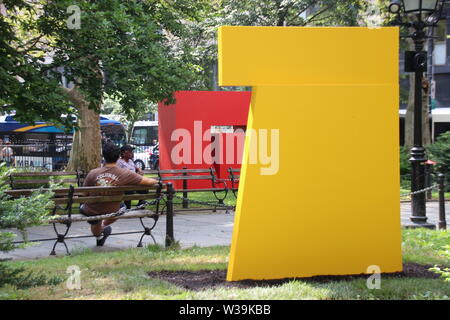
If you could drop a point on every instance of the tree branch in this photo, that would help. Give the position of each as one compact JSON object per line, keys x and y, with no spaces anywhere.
{"x":35,"y":42}
{"x":318,"y":14}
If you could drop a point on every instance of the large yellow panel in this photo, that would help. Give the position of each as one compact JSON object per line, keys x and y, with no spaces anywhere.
{"x":333,"y":205}
{"x":250,"y":56}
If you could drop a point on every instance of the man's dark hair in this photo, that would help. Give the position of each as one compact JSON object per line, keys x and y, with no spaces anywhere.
{"x":110,"y":152}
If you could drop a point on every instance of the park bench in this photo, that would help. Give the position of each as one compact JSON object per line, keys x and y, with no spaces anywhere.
{"x":64,"y":211}
{"x":233,"y":176}
{"x":29,"y":180}
{"x":218,"y":188}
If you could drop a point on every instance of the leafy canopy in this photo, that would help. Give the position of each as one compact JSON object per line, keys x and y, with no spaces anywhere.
{"x":129,"y":50}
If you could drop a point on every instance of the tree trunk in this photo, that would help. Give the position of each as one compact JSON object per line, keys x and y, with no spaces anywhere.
{"x":86,"y":149}
{"x":426,"y":137}
{"x":409,"y":117}
{"x":130,"y":126}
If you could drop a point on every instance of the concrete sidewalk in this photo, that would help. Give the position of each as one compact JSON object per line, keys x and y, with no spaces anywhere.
{"x":200,"y":228}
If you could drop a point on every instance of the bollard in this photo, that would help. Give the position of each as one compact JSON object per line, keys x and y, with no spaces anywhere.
{"x":170,"y":240}
{"x":185,"y":194}
{"x":442,"y":225}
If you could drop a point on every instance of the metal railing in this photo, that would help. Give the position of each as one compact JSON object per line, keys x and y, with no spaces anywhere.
{"x":440,"y":187}
{"x":45,"y":156}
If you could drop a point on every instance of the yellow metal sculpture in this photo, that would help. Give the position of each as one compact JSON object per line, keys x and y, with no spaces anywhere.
{"x":325,"y":100}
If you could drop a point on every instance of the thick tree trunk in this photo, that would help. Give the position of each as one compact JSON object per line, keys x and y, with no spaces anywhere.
{"x":409,"y":117}
{"x":86,"y":149}
{"x":426,"y":140}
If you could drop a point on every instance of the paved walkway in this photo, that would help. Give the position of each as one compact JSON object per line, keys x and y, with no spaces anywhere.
{"x":201,"y":229}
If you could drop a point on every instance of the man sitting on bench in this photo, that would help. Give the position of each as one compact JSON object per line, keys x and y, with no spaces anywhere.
{"x":109,"y":175}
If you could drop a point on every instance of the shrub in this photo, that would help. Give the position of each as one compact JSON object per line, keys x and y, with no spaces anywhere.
{"x":405,"y":168}
{"x":405,"y":165}
{"x":444,"y":272}
{"x":21,"y":279}
{"x":20,"y":214}
{"x":439,"y":151}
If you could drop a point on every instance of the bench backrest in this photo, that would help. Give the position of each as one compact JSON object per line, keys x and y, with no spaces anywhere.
{"x":150,"y":172}
{"x":187,"y":174}
{"x":234,"y":174}
{"x":27,"y":180}
{"x":68,"y":196}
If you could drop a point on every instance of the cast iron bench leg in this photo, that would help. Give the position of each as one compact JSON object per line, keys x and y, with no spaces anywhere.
{"x":147,"y":231}
{"x":60,"y":238}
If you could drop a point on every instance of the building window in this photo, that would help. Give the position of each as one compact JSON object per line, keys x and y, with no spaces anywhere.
{"x":440,"y":45}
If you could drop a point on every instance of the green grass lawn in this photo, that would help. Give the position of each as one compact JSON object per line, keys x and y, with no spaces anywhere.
{"x":123,"y":275}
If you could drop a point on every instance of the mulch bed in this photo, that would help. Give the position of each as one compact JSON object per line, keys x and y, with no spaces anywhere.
{"x":207,"y":279}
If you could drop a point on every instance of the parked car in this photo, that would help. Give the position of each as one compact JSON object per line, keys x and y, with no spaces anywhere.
{"x":142,"y":156}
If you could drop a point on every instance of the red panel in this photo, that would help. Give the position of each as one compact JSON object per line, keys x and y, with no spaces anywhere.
{"x":197,"y":111}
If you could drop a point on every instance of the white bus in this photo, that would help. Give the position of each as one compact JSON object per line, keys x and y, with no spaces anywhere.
{"x":440,"y":122}
{"x":144,"y":133}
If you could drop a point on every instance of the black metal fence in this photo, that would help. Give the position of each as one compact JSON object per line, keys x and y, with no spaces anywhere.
{"x":45,"y":156}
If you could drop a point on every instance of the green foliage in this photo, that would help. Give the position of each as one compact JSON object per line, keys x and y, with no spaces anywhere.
{"x":20,"y":213}
{"x":291,"y":12}
{"x":128,"y":118}
{"x":405,"y":168}
{"x":443,"y":271}
{"x":130,"y":56}
{"x":405,"y":164}
{"x":203,"y":43}
{"x":24,"y":85}
{"x":425,"y":246}
{"x":439,"y":151}
{"x":130,"y":50}
{"x":111,"y":105}
{"x":21,"y":279}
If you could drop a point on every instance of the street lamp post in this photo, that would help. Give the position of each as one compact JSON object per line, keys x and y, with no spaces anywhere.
{"x":422,"y":14}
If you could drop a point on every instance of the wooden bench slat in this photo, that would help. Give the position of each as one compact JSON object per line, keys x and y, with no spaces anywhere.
{"x":126,"y":215}
{"x":205,"y":177}
{"x":112,"y":198}
{"x":83,"y":189}
{"x":36,"y":181}
{"x":155,"y":172}
{"x":200,"y":190}
{"x":39,"y":174}
{"x":185,"y":171}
